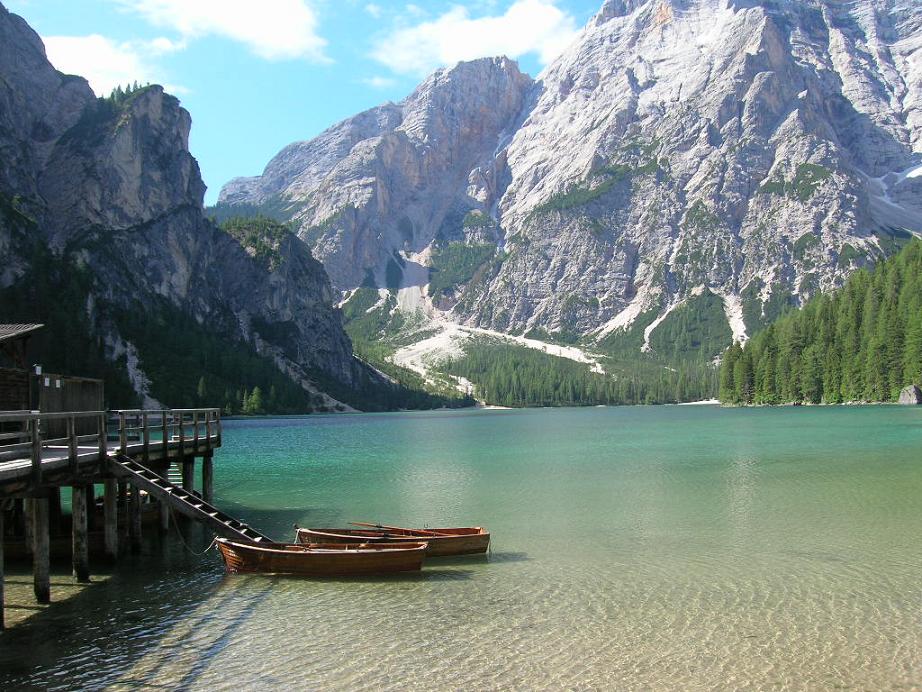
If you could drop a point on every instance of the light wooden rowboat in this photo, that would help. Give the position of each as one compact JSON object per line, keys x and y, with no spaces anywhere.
{"x":322,"y":560}
{"x":442,"y":542}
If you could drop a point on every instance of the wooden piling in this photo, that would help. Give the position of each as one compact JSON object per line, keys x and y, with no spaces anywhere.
{"x":79,"y":544}
{"x":27,"y":524}
{"x":188,"y":474}
{"x":2,"y":600}
{"x":208,"y":477}
{"x":134,"y":523}
{"x":41,"y":578}
{"x":123,"y":528}
{"x":164,"y":516}
{"x":110,"y":510}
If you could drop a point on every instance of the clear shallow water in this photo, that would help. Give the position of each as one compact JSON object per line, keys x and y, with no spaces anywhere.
{"x":670,"y":547}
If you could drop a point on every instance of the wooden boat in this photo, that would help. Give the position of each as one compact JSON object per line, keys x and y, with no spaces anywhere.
{"x":322,"y":560}
{"x":453,"y":541}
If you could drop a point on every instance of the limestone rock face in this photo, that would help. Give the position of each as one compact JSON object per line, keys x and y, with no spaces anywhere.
{"x":910,"y":396}
{"x":762,"y":149}
{"x":395,"y":177}
{"x":113,"y":185}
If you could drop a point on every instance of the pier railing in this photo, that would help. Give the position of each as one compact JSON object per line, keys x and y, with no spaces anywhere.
{"x":189,"y":431}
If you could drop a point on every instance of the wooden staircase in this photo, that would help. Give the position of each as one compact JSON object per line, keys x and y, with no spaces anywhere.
{"x":183,"y":501}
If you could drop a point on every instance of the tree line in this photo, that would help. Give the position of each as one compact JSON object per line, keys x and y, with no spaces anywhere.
{"x":860,"y":343}
{"x":515,"y":376}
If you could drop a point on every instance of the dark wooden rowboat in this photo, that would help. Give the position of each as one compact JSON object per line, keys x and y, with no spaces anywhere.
{"x":322,"y":560}
{"x":454,"y":541}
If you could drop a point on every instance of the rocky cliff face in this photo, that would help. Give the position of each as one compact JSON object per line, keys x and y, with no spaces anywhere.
{"x":759,"y":150}
{"x":392,"y":179}
{"x":110,"y":185}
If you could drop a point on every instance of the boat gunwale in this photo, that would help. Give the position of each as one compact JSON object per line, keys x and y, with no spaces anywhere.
{"x":392,"y":535}
{"x":327,"y":549}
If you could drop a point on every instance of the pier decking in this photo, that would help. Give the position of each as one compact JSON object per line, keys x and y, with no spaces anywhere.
{"x":127,"y":452}
{"x":154,"y":437}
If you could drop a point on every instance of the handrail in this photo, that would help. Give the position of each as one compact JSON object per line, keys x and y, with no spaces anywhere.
{"x":185,"y":431}
{"x":135,"y":411}
{"x":14,"y":417}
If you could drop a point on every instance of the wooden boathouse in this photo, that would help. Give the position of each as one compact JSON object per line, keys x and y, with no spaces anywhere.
{"x":128,"y":455}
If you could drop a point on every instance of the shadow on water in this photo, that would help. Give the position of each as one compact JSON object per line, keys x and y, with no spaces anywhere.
{"x":278,"y":524}
{"x":226,"y":613}
{"x":424,"y":575}
{"x":167,"y":598}
{"x":147,"y":603}
{"x":497,"y":557}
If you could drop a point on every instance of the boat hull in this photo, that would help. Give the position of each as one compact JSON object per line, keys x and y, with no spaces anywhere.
{"x":322,"y":561}
{"x":464,"y":541}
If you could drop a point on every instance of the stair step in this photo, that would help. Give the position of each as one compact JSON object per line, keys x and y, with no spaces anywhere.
{"x":159,"y":485}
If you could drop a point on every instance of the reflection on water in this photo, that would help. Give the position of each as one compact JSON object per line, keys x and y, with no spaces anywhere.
{"x":664,"y":547}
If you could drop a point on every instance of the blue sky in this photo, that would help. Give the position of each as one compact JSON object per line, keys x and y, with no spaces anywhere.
{"x":259,"y":74}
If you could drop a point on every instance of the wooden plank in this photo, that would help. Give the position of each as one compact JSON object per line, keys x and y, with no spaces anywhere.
{"x":110,"y":509}
{"x":79,"y":543}
{"x":195,"y":424}
{"x":72,"y":444}
{"x":36,"y":452}
{"x":145,"y":431}
{"x":41,"y":553}
{"x":102,"y":433}
{"x":182,"y":436}
{"x":122,"y":433}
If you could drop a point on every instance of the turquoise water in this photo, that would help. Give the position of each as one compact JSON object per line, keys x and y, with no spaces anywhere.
{"x":667,"y":547}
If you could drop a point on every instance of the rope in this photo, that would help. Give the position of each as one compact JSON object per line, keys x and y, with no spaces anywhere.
{"x":182,"y":538}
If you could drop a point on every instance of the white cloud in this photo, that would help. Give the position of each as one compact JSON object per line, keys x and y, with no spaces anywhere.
{"x":379,"y":82}
{"x":272,"y":29}
{"x":528,"y":26}
{"x":374,"y":10}
{"x":107,"y":64}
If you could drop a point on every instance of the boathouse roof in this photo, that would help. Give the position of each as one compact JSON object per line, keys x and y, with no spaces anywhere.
{"x":15,"y":331}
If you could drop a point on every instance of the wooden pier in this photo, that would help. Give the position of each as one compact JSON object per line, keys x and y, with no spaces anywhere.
{"x":125,"y":451}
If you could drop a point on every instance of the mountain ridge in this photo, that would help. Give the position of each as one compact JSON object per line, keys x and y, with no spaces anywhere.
{"x":757,"y":150}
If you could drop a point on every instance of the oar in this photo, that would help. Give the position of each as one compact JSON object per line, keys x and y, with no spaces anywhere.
{"x":398,"y":528}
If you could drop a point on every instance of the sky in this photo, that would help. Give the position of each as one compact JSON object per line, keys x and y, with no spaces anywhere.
{"x":257,"y":75}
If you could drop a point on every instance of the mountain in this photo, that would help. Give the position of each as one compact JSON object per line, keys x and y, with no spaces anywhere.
{"x":697,"y":162}
{"x":104,"y":238}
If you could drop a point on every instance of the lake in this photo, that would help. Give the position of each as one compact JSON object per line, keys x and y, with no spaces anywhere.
{"x":670,"y":547}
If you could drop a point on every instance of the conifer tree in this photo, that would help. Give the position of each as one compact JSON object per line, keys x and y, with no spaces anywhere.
{"x":863,"y":342}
